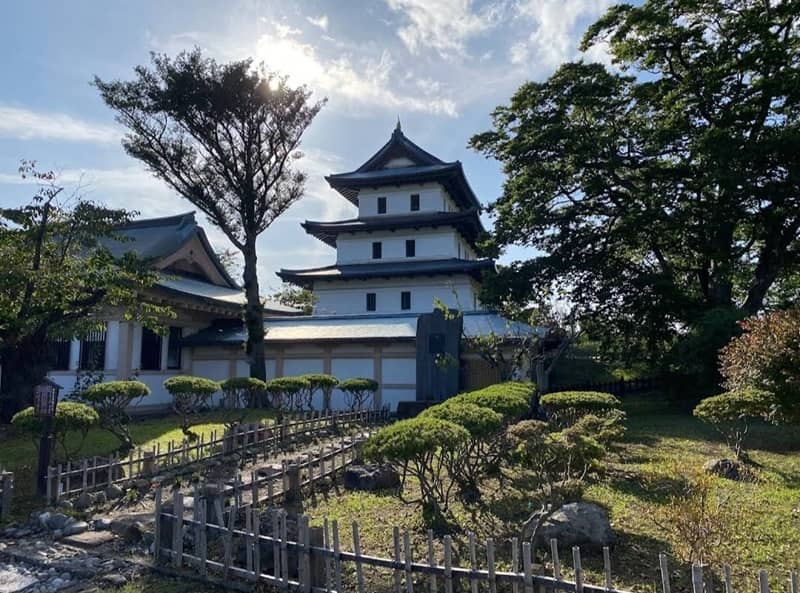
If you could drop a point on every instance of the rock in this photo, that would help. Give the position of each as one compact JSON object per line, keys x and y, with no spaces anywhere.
{"x":89,"y":539}
{"x":371,"y":477}
{"x":58,"y":521}
{"x":13,"y":579}
{"x":577,"y":524}
{"x":725,"y":468}
{"x":101,"y":524}
{"x":75,"y":528}
{"x":43,"y":518}
{"x":114,"y":579}
{"x":65,"y":505}
{"x":83,"y":502}
{"x":113,"y":492}
{"x":99,"y":498}
{"x":142,"y":484}
{"x":129,"y":529}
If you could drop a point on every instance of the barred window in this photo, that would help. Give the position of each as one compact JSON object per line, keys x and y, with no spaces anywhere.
{"x":93,"y":351}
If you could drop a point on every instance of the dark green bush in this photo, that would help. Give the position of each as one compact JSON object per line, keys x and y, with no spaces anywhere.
{"x":564,"y":408}
{"x":285,"y":391}
{"x":731,"y":413}
{"x":243,"y":392}
{"x":480,"y":422}
{"x":319,"y":382}
{"x":71,"y":417}
{"x":189,"y":396}
{"x":511,"y":400}
{"x":358,"y":391}
{"x":111,"y":400}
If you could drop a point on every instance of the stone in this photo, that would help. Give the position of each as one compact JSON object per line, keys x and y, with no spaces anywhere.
{"x":113,"y":492}
{"x":75,"y":528}
{"x":729,"y":469}
{"x":114,"y":579}
{"x":128,"y":528}
{"x":43,"y":518}
{"x":65,"y":505}
{"x":577,"y":524}
{"x":89,"y":539}
{"x":83,"y":502}
{"x":58,"y":521}
{"x":12,"y":580}
{"x":99,"y":498}
{"x":101,"y":524}
{"x":371,"y":477}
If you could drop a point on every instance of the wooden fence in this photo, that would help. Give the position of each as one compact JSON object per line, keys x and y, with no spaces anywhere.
{"x":6,"y":493}
{"x":272,"y":548}
{"x":88,"y":475}
{"x":620,"y":387}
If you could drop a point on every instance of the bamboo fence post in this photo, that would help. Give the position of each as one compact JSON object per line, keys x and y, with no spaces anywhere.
{"x":490,"y":565}
{"x":576,"y":559}
{"x":276,"y":551}
{"x":792,"y":582}
{"x":607,"y":567}
{"x":726,"y":571}
{"x":396,"y":569}
{"x":448,"y":564}
{"x":556,"y":561}
{"x":527,"y":567}
{"x":248,"y":530}
{"x":662,"y":563}
{"x":697,"y":578}
{"x":177,"y":530}
{"x":256,"y":544}
{"x":284,"y":553}
{"x":408,"y":559}
{"x":326,"y":542}
{"x":203,"y":552}
{"x":763,"y":582}
{"x":515,"y":563}
{"x":306,"y":555}
{"x":337,"y":559}
{"x":157,"y":529}
{"x":431,"y":563}
{"x":357,"y":551}
{"x":228,"y":541}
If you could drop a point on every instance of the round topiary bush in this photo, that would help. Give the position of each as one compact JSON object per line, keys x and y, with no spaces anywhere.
{"x":71,"y":418}
{"x":285,"y":391}
{"x":480,"y":422}
{"x":730,"y":414}
{"x":320,"y":382}
{"x":189,"y":396}
{"x":508,"y":400}
{"x":425,"y":448}
{"x":358,"y":391}
{"x":243,"y":392}
{"x":564,"y":408}
{"x":111,"y":400}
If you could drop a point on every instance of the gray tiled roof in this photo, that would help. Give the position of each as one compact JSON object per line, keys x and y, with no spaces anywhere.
{"x":315,"y":328}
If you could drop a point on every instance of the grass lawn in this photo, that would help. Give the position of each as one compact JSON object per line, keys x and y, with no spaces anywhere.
{"x":19,"y":454}
{"x":764,"y":516}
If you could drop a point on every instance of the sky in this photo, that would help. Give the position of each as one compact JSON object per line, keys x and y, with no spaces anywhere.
{"x":441,"y":66}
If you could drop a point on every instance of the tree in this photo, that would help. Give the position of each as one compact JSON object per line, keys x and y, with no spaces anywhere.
{"x":242,"y":393}
{"x":665,"y":192}
{"x":58,"y":279}
{"x":111,"y":401}
{"x":189,"y":396}
{"x":294,"y":296}
{"x":319,"y":382}
{"x":357,"y":392}
{"x":286,"y":393}
{"x":767,"y":357}
{"x":71,"y":417}
{"x":225,"y":137}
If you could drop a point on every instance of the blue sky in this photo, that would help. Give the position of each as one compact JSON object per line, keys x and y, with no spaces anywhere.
{"x":440,"y":65}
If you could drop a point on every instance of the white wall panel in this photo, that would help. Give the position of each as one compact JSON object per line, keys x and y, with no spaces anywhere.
{"x":399,"y":371}
{"x":391,"y":397}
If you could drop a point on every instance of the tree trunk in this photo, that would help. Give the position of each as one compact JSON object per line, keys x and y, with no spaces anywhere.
{"x":23,"y":365}
{"x":254,"y":312}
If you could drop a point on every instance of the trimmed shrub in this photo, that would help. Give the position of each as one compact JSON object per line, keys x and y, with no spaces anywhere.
{"x":189,"y":396}
{"x":510,"y":400}
{"x":564,"y":408}
{"x":731,"y":412}
{"x":358,"y":391}
{"x":71,"y":417}
{"x":243,"y":392}
{"x":480,"y":422}
{"x":111,"y":400}
{"x":425,"y":448}
{"x":319,"y":382}
{"x":285,"y":391}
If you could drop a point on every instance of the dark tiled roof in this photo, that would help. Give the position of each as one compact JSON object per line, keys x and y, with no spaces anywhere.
{"x":467,"y":222}
{"x":155,"y":238}
{"x":426,"y":167}
{"x":396,"y":269}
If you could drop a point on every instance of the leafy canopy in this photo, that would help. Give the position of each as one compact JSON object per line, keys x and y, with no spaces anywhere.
{"x":185,"y":384}
{"x":665,"y":190}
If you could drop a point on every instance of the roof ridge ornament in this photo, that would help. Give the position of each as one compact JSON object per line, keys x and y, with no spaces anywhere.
{"x":398,"y":129}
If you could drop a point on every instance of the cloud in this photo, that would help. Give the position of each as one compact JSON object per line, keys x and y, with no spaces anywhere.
{"x":444,"y":25}
{"x":20,"y":123}
{"x":557,"y":28}
{"x":361,"y":81}
{"x":320,"y":21}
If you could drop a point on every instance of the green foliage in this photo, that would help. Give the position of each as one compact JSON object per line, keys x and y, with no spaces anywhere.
{"x":511,"y":399}
{"x":111,"y":400}
{"x":731,"y":413}
{"x":319,"y":382}
{"x":243,"y":392}
{"x":566,"y":407}
{"x":425,"y":448}
{"x":480,"y":422}
{"x":189,"y":396}
{"x":358,"y":391}
{"x":656,"y":193}
{"x":70,"y":417}
{"x":294,"y":296}
{"x":228,"y":139}
{"x":287,"y":391}
{"x":58,"y":279}
{"x":767,"y":356}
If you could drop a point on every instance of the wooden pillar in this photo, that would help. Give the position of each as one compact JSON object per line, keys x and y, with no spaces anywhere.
{"x":377,"y":371}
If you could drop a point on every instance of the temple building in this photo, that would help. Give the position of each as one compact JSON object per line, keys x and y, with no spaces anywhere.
{"x":412,"y":244}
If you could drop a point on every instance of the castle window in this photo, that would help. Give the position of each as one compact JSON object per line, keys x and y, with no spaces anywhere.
{"x":377,"y":250}
{"x":382,"y":205}
{"x":405,"y":300}
{"x":150,"y":351}
{"x":414,"y":202}
{"x":93,"y":351}
{"x":174,"y":348}
{"x":411,"y":248}
{"x":372,"y":301}
{"x":59,"y":353}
